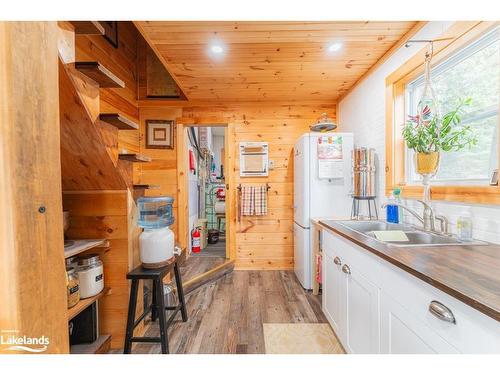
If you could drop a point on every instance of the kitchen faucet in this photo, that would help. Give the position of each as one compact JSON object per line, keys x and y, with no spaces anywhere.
{"x":427,"y":219}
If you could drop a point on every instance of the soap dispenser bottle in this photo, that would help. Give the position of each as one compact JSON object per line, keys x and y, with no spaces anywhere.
{"x":397,"y":196}
{"x":392,"y":210}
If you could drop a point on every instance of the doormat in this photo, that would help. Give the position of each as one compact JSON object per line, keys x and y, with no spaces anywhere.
{"x":301,"y":338}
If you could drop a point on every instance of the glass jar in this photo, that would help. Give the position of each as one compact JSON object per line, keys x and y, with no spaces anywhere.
{"x":72,"y":287}
{"x":464,"y":226}
{"x":90,"y":274}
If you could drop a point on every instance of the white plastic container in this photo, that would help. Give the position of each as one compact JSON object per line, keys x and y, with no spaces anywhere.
{"x":91,"y":276}
{"x":157,"y":247}
{"x":220,"y":207}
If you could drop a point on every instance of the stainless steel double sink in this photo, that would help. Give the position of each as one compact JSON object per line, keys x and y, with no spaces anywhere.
{"x":416,"y":237}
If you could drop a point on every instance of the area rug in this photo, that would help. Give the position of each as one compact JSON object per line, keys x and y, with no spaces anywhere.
{"x":300,"y":338}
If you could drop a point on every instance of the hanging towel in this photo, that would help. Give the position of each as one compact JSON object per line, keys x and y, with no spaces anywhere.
{"x":253,"y":200}
{"x":260,"y":200}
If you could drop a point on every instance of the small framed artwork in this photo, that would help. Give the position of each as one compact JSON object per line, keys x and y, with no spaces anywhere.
{"x":160,"y":134}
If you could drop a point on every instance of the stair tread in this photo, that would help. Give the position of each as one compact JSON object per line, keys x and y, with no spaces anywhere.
{"x":137,"y":158}
{"x":88,"y":27}
{"x":99,"y":73}
{"x":146,"y":186}
{"x":118,"y":121}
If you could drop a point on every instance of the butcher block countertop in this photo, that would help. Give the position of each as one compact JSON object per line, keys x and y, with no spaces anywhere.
{"x":471,"y":274}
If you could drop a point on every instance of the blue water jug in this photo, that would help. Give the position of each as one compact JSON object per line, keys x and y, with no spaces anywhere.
{"x":155,"y":212}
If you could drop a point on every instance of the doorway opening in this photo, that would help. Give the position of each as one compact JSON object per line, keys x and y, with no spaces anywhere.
{"x":207,"y":210}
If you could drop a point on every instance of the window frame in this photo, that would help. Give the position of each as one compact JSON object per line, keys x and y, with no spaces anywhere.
{"x":458,"y":36}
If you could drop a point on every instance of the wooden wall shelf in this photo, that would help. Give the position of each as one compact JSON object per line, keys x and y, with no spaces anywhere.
{"x":99,"y":346}
{"x":99,"y":73}
{"x":83,"y":245}
{"x":135,"y":158}
{"x":118,"y":121}
{"x":84,"y":303}
{"x":88,"y":27}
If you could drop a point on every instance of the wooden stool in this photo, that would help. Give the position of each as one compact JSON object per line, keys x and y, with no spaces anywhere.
{"x":157,"y":306}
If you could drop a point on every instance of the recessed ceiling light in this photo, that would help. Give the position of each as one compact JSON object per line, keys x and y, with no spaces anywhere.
{"x":334,"y":47}
{"x":217,"y":49}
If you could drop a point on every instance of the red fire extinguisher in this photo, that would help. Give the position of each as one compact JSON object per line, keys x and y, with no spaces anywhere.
{"x":196,"y":241}
{"x":192,"y":166}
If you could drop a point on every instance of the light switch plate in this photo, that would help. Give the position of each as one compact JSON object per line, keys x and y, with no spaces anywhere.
{"x":271,"y":164}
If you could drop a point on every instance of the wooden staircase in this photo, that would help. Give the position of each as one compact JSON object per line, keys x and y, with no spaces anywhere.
{"x":85,"y":128}
{"x":97,"y":180}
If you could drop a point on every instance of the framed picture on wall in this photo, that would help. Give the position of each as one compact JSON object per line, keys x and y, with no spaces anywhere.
{"x":160,"y":134}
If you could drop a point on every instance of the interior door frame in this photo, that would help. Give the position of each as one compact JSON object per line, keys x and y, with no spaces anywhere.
{"x":183,"y":180}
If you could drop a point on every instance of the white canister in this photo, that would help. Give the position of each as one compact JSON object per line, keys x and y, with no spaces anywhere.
{"x":91,"y":276}
{"x":157,"y":247}
{"x":220,"y":207}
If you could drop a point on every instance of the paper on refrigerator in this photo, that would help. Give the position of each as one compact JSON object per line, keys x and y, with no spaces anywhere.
{"x":330,"y":157}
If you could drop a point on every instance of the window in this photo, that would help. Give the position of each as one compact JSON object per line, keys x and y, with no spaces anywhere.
{"x":473,"y":71}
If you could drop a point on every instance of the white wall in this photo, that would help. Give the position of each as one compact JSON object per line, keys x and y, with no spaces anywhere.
{"x":363,"y":113}
{"x":217,"y":146}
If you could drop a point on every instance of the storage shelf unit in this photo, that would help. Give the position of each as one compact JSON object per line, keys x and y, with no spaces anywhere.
{"x":84,"y":303}
{"x":99,"y":73}
{"x":136,"y":158}
{"x":118,"y":121}
{"x":83,"y":245}
{"x":88,"y":27}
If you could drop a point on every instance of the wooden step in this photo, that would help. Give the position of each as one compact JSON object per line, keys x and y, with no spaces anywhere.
{"x":118,"y":121}
{"x":99,"y":74}
{"x":208,"y":277}
{"x":136,"y":158}
{"x":99,"y":346}
{"x":145,"y":187}
{"x":88,"y":27}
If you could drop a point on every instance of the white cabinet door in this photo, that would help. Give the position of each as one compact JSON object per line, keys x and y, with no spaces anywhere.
{"x":403,"y":333}
{"x":333,"y":282}
{"x":362,"y":312}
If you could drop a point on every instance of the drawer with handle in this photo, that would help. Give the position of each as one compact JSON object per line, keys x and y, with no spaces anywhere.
{"x":464,"y":327}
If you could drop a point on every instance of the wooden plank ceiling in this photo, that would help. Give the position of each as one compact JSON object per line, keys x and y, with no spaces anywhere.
{"x":270,"y":61}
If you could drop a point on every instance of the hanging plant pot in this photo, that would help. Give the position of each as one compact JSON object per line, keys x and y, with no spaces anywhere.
{"x":426,"y":163}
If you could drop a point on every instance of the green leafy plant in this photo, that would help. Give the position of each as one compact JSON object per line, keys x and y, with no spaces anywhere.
{"x":439,"y":134}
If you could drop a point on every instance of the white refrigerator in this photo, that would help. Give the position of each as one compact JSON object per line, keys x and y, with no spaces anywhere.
{"x":322,"y":188}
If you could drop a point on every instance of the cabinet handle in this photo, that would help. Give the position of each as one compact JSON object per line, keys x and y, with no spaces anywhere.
{"x":346,"y":269}
{"x":337,"y":261}
{"x":442,"y":312}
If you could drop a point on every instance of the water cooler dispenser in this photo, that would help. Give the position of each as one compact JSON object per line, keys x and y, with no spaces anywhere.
{"x":157,"y":242}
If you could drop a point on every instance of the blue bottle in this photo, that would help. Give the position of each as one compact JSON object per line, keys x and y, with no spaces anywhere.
{"x":392,"y":210}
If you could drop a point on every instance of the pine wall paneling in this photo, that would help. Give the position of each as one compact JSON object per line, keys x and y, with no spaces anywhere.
{"x":265,"y":242}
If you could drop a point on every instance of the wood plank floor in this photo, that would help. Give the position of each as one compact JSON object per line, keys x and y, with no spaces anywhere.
{"x":213,"y":250}
{"x":227,"y":316}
